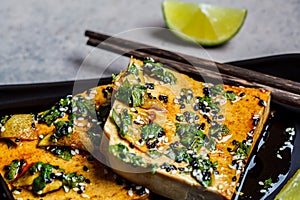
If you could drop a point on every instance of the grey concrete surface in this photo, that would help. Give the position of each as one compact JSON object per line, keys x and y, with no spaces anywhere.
{"x":43,"y":41}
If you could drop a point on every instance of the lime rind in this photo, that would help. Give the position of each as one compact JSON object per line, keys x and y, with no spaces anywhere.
{"x":205,"y":10}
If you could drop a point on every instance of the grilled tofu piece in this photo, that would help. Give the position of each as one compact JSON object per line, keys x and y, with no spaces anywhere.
{"x":173,"y":134}
{"x":66,"y":123}
{"x":34,"y":134}
{"x":100,"y":180}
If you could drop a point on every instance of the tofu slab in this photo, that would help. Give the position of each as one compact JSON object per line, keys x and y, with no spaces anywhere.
{"x":192,"y":134}
{"x":34,"y":137}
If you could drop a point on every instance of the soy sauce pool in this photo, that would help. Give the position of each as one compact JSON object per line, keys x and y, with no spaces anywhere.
{"x":271,"y":158}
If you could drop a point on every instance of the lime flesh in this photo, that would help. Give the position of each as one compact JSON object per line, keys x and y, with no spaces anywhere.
{"x":202,"y":23}
{"x":291,"y":190}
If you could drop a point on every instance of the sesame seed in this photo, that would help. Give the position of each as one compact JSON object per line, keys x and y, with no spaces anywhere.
{"x":16,"y":192}
{"x":73,"y":152}
{"x":231,"y":166}
{"x":255,"y":121}
{"x":263,"y":191}
{"x":80,"y":124}
{"x":85,"y":196}
{"x":2,"y":129}
{"x":228,"y":192}
{"x":166,"y":140}
{"x":130,"y":192}
{"x":147,"y":190}
{"x":234,"y":178}
{"x":138,"y":187}
{"x":181,"y":168}
{"x":262,"y":103}
{"x":70,"y":129}
{"x":58,"y":174}
{"x":220,"y":187}
{"x":242,"y":94}
{"x":85,"y":168}
{"x":40,"y":192}
{"x":261,"y":183}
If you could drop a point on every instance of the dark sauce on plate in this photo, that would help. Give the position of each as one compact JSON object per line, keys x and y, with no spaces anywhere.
{"x":271,"y":158}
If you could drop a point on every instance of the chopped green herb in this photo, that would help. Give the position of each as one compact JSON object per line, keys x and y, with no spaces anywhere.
{"x":154,"y":168}
{"x":44,"y":171}
{"x":201,"y":170}
{"x":62,"y":128}
{"x":122,"y":120}
{"x":187,"y":95}
{"x":150,"y":131}
{"x":61,"y":152}
{"x":114,"y":77}
{"x":178,"y":154}
{"x":201,"y":167}
{"x":158,"y":71}
{"x":210,"y":144}
{"x":148,"y":60}
{"x":13,"y":169}
{"x":131,"y":95}
{"x":72,"y":180}
{"x":230,"y":95}
{"x":56,"y":111}
{"x":268,"y":183}
{"x":218,"y":130}
{"x":4,"y":119}
{"x":122,"y":153}
{"x":133,"y":69}
{"x":84,"y":107}
{"x":169,"y":78}
{"x":242,"y":149}
{"x":210,"y":102}
{"x":124,"y":93}
{"x":217,"y":89}
{"x":188,"y":133}
{"x":138,"y":92}
{"x":154,"y":154}
{"x":179,"y":117}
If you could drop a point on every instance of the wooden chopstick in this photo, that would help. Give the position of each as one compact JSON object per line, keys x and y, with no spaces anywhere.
{"x":242,"y":73}
{"x":278,"y":94}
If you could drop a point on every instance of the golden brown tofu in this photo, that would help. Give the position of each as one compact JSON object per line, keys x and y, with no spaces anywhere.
{"x":99,"y":183}
{"x":192,"y":134}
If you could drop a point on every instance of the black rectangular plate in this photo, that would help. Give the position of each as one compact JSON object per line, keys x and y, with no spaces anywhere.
{"x":28,"y":98}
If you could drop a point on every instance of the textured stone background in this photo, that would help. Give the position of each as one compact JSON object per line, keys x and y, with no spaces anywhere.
{"x":42,"y":41}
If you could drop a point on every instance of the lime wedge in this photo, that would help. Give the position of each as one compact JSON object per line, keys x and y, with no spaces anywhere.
{"x":205,"y":24}
{"x":291,"y":190}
